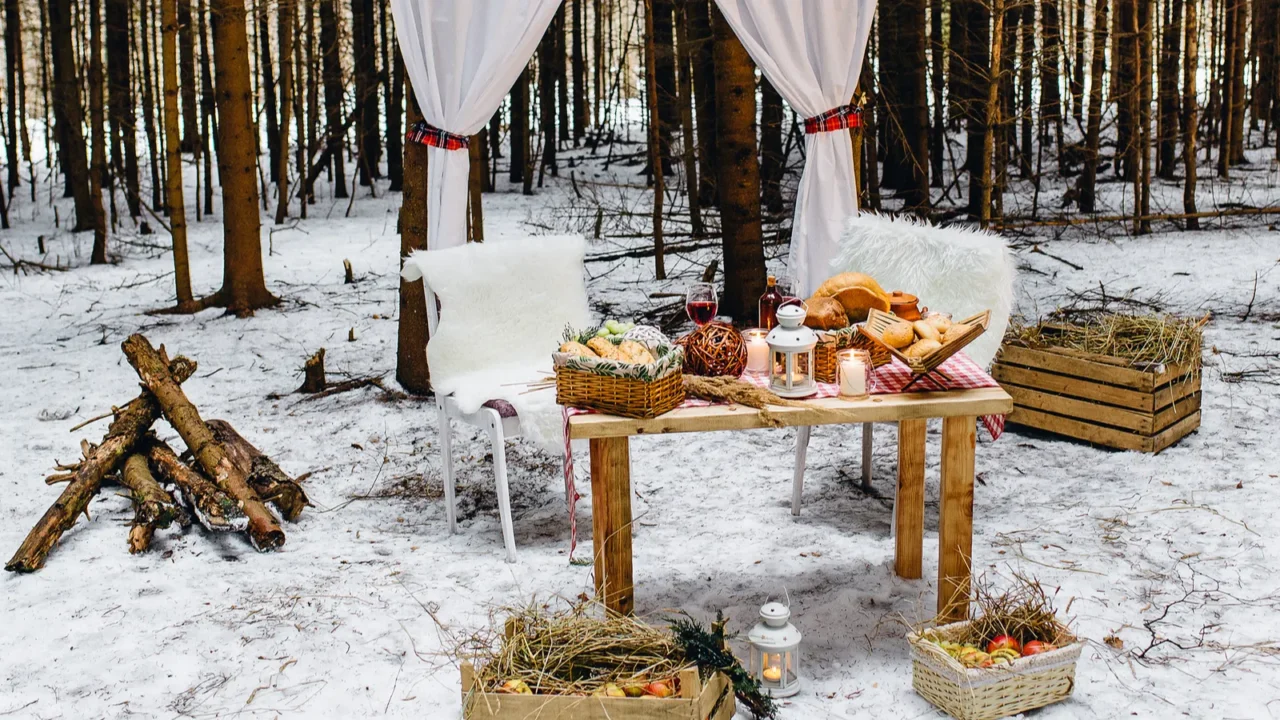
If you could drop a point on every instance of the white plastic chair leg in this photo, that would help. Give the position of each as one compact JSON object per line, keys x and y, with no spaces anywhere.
{"x":504,"y":492}
{"x":446,"y":457}
{"x":866,"y":456}
{"x":797,"y":483}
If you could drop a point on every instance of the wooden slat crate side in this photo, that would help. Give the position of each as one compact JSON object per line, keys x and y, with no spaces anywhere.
{"x":1176,"y":391}
{"x":1176,"y":412}
{"x":695,"y":703}
{"x":1086,"y":410}
{"x":1175,"y":432}
{"x":1073,"y":387}
{"x":1080,"y":429}
{"x":1094,"y":368}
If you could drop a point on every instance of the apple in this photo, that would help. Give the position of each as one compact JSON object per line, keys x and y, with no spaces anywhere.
{"x":1035,"y":647}
{"x":659,"y":689}
{"x":633,"y":690}
{"x":1001,"y":642}
{"x":515,"y":687}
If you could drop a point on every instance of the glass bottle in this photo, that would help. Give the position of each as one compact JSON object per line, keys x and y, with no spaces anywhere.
{"x":769,"y":303}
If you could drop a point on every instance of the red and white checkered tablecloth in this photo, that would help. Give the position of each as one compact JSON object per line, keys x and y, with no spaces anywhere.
{"x":889,"y":379}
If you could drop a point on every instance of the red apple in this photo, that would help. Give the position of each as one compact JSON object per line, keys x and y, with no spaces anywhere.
{"x":658,"y":689}
{"x":1035,"y":647}
{"x":1001,"y":642}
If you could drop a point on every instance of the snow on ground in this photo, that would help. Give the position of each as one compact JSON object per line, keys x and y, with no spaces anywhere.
{"x":350,"y":619}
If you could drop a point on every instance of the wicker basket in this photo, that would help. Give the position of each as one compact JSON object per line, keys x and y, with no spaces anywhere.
{"x":877,"y":321}
{"x":628,"y":397}
{"x":989,"y":693}
{"x":827,"y":370}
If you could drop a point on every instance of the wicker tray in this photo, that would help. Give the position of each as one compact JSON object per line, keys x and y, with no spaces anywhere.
{"x":628,"y":397}
{"x":878,"y":320}
{"x":827,"y":370}
{"x":989,"y":693}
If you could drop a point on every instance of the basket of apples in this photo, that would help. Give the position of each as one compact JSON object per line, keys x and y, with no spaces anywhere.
{"x":1014,"y":656}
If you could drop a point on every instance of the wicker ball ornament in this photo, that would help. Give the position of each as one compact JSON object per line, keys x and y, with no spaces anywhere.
{"x":714,"y":349}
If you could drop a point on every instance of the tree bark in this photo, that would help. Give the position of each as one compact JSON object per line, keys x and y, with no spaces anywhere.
{"x":1169,"y":111}
{"x":1097,"y":68}
{"x":244,"y":288}
{"x":684,"y":59}
{"x":1142,"y":154}
{"x":1050,"y":74}
{"x":395,"y":126}
{"x":657,"y":152}
{"x":1190,"y":117}
{"x":579,"y":74}
{"x":519,"y":130}
{"x":971,"y":77}
{"x":739,"y":173}
{"x":173,"y":156}
{"x":937,"y":129}
{"x":904,"y":89}
{"x":365,"y":70}
{"x":69,"y":112}
{"x":264,"y":531}
{"x":124,"y":134}
{"x":13,"y":86}
{"x":1077,"y":72}
{"x":268,"y":89}
{"x":147,"y":61}
{"x":271,"y":483}
{"x":547,"y":99}
{"x":772,"y":162}
{"x":98,"y":161}
{"x":207,"y":111}
{"x":664,"y":69}
{"x":411,"y":344}
{"x":129,"y":426}
{"x":153,"y":508}
{"x":992,"y":111}
{"x":215,"y":510}
{"x":187,"y":74}
{"x":284,"y":34}
{"x":332,"y":72}
{"x":704,"y":87}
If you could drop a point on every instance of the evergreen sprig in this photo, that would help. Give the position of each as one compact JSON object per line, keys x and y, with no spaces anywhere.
{"x":708,"y":649}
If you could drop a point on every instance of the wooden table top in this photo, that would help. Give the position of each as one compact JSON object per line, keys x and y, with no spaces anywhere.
{"x":825,"y":411}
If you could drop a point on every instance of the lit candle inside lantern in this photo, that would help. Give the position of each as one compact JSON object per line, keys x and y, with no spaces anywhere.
{"x":757,"y":351}
{"x":853,"y":373}
{"x":773,"y":673}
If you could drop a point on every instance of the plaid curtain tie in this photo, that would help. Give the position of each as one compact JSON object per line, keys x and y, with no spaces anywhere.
{"x":845,"y":116}
{"x":427,"y":134}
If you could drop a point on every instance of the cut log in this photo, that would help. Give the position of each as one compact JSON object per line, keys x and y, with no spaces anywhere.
{"x":129,"y":426}
{"x":213,"y":508}
{"x":264,"y":530}
{"x":153,"y":508}
{"x":270,"y":482}
{"x":313,"y":380}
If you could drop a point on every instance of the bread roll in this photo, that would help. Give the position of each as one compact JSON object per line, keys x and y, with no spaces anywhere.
{"x":578,"y":349}
{"x":857,"y":294}
{"x":898,"y":335}
{"x":940,"y":322}
{"x":605,"y":349}
{"x":926,"y":331}
{"x":954,"y":332}
{"x":922,"y":348}
{"x":635,"y":352}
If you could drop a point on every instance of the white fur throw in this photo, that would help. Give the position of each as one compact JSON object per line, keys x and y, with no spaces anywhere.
{"x":503,"y":307}
{"x":956,"y":270}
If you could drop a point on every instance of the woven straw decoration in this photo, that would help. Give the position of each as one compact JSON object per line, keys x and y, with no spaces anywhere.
{"x":715,"y":349}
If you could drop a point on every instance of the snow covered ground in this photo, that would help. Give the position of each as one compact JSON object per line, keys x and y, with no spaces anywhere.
{"x":1175,"y":556}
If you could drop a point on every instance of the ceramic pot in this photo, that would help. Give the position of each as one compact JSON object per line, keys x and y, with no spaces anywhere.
{"x":905,"y":305}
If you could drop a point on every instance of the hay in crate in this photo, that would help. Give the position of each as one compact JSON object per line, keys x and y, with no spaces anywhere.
{"x":1140,"y":339}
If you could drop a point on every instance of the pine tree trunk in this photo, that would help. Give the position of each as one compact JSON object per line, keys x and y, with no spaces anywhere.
{"x":411,"y":345}
{"x":243,"y":287}
{"x":519,"y":127}
{"x":656,"y":157}
{"x":1026,"y":63}
{"x":365,"y":69}
{"x":98,"y":161}
{"x":904,"y":88}
{"x":13,"y":64}
{"x":149,"y":102}
{"x":547,"y":99}
{"x":562,"y":74}
{"x":1097,"y":68}
{"x":395,"y":124}
{"x":870,"y":175}
{"x":971,"y":76}
{"x":187,"y":73}
{"x":1050,"y":76}
{"x":1125,"y":90}
{"x":739,"y":173}
{"x":475,"y":206}
{"x":937,"y":129}
{"x":665,"y":75}
{"x":333,"y":92}
{"x":1169,"y":112}
{"x":1237,"y":90}
{"x":1190,"y":120}
{"x":1142,"y":154}
{"x":772,"y":162}
{"x":207,"y":111}
{"x":124,"y":135}
{"x":173,"y":155}
{"x":684,"y":58}
{"x":579,"y":74}
{"x":992,"y":109}
{"x":284,"y":35}
{"x":268,"y":89}
{"x":315,"y":77}
{"x":69,"y":113}
{"x":704,"y":88}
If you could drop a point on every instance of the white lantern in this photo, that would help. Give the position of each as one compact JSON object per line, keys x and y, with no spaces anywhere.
{"x":775,"y":652}
{"x":791,"y":354}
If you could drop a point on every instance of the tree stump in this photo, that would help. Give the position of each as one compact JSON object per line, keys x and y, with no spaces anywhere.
{"x":313,"y":379}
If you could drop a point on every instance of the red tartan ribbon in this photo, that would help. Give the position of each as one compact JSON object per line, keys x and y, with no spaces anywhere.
{"x":845,"y":116}
{"x":428,"y":134}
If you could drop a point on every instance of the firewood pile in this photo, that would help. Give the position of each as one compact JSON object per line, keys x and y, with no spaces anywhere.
{"x":225,"y":484}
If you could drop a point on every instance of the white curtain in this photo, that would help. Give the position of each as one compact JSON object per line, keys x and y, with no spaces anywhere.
{"x":811,"y":50}
{"x":462,"y":57}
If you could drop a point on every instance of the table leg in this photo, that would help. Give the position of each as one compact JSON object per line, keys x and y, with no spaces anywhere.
{"x":866,"y":456}
{"x":955,"y":525}
{"x":908,"y":508}
{"x":611,"y":522}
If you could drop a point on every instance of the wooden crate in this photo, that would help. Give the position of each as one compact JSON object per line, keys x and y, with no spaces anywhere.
{"x":695,"y":702}
{"x":1100,"y":399}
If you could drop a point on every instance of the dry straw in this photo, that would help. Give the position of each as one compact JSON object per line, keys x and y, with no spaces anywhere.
{"x":1154,"y":339}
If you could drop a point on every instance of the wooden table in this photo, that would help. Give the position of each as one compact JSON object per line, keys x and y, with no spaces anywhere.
{"x":609,"y":437}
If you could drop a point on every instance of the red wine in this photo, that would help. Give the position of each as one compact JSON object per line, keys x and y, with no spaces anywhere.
{"x":701,"y":312}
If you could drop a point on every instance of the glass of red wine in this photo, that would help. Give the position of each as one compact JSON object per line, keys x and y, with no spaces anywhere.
{"x":701,"y":303}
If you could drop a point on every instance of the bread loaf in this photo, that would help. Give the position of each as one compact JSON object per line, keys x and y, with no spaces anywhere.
{"x":926,"y":331}
{"x":922,"y":348}
{"x":605,"y":349}
{"x":577,"y":348}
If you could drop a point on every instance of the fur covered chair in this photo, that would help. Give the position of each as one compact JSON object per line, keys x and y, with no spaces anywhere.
{"x":502,"y":309}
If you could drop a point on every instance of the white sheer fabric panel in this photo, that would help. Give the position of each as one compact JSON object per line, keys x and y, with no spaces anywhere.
{"x":812,"y":51}
{"x":462,"y":57}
